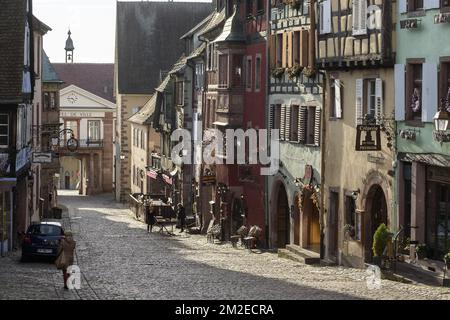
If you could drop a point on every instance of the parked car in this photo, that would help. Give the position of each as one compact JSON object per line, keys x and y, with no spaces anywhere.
{"x":42,"y":240}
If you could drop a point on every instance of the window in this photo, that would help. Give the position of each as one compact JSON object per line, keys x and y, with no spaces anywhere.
{"x":258,"y":73}
{"x":444,"y":86}
{"x":359,"y":17}
{"x":295,"y":113}
{"x":259,"y":6}
{"x":179,"y":92}
{"x":142,"y":140}
{"x":325,"y":16}
{"x":237,"y":70}
{"x":415,"y":5}
{"x":4,"y":130}
{"x":248,"y":74}
{"x":223,"y":70}
{"x":445,"y":5}
{"x":350,"y":216}
{"x":199,"y":76}
{"x":414,"y":77}
{"x":279,"y":50}
{"x":73,"y":125}
{"x":50,"y":100}
{"x":335,"y":99}
{"x":211,"y":57}
{"x":369,"y":99}
{"x":94,"y":130}
{"x":311,"y":122}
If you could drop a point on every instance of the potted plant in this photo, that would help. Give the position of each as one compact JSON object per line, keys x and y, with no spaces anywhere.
{"x":380,"y":240}
{"x":447,"y":260}
{"x":421,"y":251}
{"x":295,"y":71}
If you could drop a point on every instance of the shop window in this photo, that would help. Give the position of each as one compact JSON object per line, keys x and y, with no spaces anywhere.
{"x":4,"y":130}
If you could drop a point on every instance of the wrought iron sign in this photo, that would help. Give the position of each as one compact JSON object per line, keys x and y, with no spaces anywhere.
{"x":442,"y":18}
{"x":368,"y":138}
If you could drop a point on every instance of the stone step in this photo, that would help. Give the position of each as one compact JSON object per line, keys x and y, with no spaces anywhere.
{"x":286,"y":254}
{"x":310,"y":257}
{"x":300,"y":255}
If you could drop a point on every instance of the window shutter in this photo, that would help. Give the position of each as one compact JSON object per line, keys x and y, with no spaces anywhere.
{"x":403,"y":6}
{"x":359,"y":101}
{"x":400,"y":92}
{"x":317,"y":121}
{"x":359,"y":17}
{"x":287,"y":126}
{"x":379,"y":100}
{"x":325,"y":26}
{"x":431,"y":4}
{"x":290,"y":62}
{"x":337,"y":99}
{"x":273,"y":51}
{"x":282,"y":121}
{"x":302,"y":122}
{"x":429,"y":92}
{"x":304,"y":41}
{"x":283,"y":50}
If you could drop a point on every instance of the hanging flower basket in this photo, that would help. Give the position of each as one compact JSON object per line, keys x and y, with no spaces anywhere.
{"x":415,"y":101}
{"x":277,"y":72}
{"x":295,"y":71}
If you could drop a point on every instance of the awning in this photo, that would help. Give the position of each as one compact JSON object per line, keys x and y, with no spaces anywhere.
{"x":430,"y":159}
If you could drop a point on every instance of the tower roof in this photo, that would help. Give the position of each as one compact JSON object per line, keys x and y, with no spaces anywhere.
{"x":233,"y":30}
{"x":69,"y":43}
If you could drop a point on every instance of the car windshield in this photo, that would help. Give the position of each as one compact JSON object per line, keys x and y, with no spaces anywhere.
{"x":45,"y":230}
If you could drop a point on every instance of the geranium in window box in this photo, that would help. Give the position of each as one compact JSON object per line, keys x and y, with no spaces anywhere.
{"x":277,"y":72}
{"x":295,"y":71}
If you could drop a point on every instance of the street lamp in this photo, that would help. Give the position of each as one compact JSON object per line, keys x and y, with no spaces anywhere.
{"x":441,"y":120}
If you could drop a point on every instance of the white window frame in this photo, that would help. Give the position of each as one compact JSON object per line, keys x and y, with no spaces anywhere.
{"x":7,"y":130}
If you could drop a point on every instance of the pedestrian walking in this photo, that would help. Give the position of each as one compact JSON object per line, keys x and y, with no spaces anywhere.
{"x":65,"y":255}
{"x":181,"y":217}
{"x":150,"y":217}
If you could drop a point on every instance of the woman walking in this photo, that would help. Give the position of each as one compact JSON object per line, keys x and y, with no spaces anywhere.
{"x":65,"y":255}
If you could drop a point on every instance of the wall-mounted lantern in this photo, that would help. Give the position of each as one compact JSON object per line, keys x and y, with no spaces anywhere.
{"x":441,"y":121}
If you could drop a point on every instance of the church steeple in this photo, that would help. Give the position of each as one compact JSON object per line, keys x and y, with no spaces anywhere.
{"x":69,"y":48}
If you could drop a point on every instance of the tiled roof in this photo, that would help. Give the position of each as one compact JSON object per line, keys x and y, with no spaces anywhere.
{"x":48,"y":72}
{"x":148,"y":39}
{"x":97,"y":78}
{"x":216,"y":21}
{"x":12,"y":27}
{"x":144,"y":116}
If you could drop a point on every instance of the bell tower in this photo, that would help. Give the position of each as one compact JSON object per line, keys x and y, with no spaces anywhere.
{"x":69,"y":48}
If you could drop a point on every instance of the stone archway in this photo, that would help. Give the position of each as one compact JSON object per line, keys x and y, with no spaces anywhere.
{"x":376,"y":213}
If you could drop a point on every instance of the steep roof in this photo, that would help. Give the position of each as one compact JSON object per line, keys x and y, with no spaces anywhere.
{"x":48,"y":72}
{"x":148,"y":40}
{"x":12,"y":22}
{"x":144,"y":116}
{"x":97,"y":78}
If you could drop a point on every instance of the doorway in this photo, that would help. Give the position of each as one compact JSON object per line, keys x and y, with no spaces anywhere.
{"x":377,"y":209}
{"x":296,"y":222}
{"x":333,"y":225}
{"x":283,"y":223}
{"x":67,"y":181}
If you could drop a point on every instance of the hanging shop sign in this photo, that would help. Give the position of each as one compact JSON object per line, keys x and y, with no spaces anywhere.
{"x":409,"y":24}
{"x":42,"y":157}
{"x":442,"y":18}
{"x":368,"y":138}
{"x":72,"y":144}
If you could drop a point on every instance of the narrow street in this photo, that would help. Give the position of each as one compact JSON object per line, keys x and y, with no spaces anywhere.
{"x":120,"y":260}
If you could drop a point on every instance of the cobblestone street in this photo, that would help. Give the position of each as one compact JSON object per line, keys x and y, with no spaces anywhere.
{"x":120,"y":260}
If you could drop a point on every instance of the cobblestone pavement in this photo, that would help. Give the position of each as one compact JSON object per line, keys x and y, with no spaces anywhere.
{"x":120,"y":260}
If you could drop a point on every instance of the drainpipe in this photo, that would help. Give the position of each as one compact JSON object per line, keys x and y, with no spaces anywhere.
{"x":322,"y":171}
{"x":266,"y":112}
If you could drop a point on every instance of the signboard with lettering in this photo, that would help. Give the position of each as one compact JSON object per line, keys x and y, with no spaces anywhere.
{"x":81,"y":114}
{"x":409,"y":24}
{"x":42,"y":157}
{"x":368,"y":138}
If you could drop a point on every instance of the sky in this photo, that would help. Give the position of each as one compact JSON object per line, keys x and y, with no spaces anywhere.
{"x":92,"y":23}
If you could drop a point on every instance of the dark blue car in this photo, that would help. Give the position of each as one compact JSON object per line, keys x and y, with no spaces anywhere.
{"x":42,"y":240}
